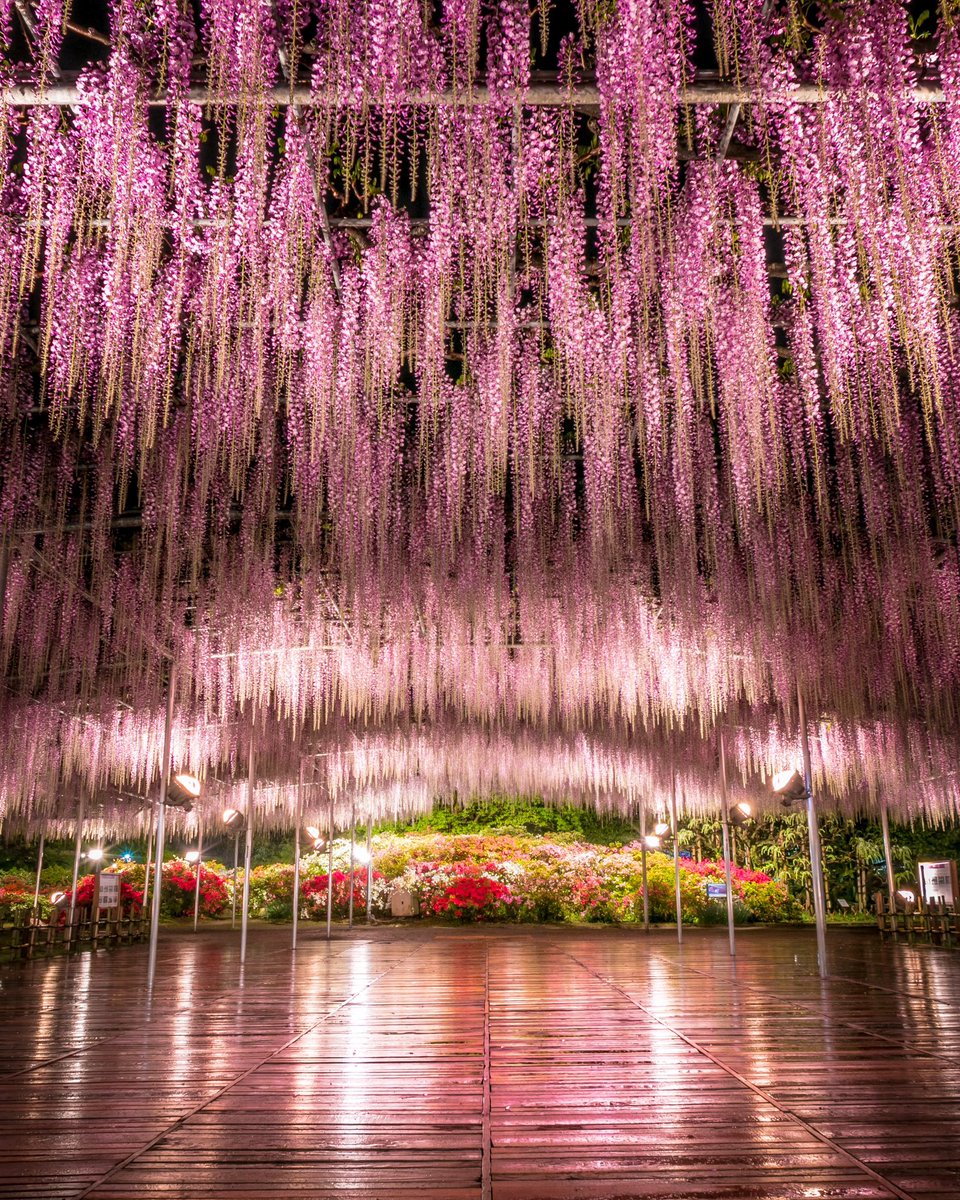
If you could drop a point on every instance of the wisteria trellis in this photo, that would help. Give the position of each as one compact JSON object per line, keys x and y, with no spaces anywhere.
{"x":400,"y":391}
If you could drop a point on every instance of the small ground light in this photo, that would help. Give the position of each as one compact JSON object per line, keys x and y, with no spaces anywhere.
{"x":907,"y":895}
{"x":57,"y":897}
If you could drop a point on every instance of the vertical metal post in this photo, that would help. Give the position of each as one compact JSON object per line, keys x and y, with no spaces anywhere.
{"x":247,"y":855}
{"x":146,"y":869}
{"x":643,"y":870}
{"x":36,"y":890}
{"x":813,"y":835}
{"x":369,"y":868}
{"x":676,"y":853}
{"x":161,"y":820}
{"x":330,"y":871}
{"x":236,"y":861}
{"x":76,"y":869}
{"x":888,"y":857}
{"x":728,"y":874}
{"x":296,"y":859}
{"x":353,"y":840}
{"x":196,"y":890}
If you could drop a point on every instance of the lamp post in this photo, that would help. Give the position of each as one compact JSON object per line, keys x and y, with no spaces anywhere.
{"x":813,"y":836}
{"x":161,"y":819}
{"x":369,"y":868}
{"x":196,"y":890}
{"x":728,"y":874}
{"x":76,"y":870}
{"x":36,"y":890}
{"x":353,"y":840}
{"x":676,"y":853}
{"x":296,"y":859}
{"x":888,"y":857}
{"x":247,"y":855}
{"x":643,"y":870}
{"x":330,"y":872}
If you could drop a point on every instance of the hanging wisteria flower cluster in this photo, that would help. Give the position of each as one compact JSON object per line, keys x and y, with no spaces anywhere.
{"x":371,"y":369}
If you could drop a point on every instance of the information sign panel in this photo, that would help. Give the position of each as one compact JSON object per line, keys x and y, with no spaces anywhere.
{"x":107,"y":891}
{"x":938,"y":881}
{"x":716,"y":891}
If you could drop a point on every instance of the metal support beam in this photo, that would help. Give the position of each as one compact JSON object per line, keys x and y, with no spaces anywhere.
{"x":353,"y":843}
{"x":296,"y":859}
{"x":728,"y":873}
{"x":643,"y":870}
{"x":676,"y":853}
{"x":161,"y":820}
{"x":813,"y":835}
{"x":196,"y":889}
{"x":247,"y":855}
{"x":369,"y":868}
{"x":888,"y":859}
{"x":330,"y":871}
{"x":539,"y":95}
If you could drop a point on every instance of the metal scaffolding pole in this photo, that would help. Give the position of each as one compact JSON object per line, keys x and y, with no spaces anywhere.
{"x":196,"y":889}
{"x":36,"y":890}
{"x":247,"y":855}
{"x":888,"y":858}
{"x":728,"y":874}
{"x":296,"y":859}
{"x":369,"y":868}
{"x":161,"y":818}
{"x":643,"y":869}
{"x":330,"y":871}
{"x":676,"y":853}
{"x":353,"y":841}
{"x":813,"y":835}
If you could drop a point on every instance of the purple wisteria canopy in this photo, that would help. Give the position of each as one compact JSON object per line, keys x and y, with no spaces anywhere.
{"x":479,"y":398}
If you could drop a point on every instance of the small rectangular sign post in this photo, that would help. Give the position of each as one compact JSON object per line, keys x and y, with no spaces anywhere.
{"x":716,"y":891}
{"x":106,"y":891}
{"x":938,"y":881}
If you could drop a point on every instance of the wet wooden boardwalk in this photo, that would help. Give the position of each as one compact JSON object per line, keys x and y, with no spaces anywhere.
{"x":483,"y":1064}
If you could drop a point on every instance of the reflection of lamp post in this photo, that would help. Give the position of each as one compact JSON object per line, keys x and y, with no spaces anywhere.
{"x":196,"y":856}
{"x":36,"y":890}
{"x":233,"y":822}
{"x":76,"y":871}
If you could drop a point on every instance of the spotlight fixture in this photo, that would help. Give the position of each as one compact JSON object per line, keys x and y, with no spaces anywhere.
{"x":183,"y":790}
{"x":907,"y":896}
{"x":740,"y":814}
{"x":651,"y":841}
{"x":58,"y":897}
{"x":661,"y":828}
{"x":360,"y":855}
{"x":789,"y":785}
{"x":192,"y":856}
{"x":314,"y":834}
{"x":95,"y":853}
{"x":233,"y":820}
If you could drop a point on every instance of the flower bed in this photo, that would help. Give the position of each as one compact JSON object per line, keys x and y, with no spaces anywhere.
{"x":468,"y":877}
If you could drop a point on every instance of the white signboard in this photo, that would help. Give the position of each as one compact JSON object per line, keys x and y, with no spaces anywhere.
{"x":938,"y":881}
{"x":107,"y":893}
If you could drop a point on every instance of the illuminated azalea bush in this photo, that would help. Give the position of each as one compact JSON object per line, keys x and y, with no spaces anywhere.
{"x":314,"y":892}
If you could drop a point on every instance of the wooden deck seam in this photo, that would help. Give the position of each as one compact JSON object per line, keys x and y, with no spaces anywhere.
{"x":183,"y":1119}
{"x":764,"y":1095}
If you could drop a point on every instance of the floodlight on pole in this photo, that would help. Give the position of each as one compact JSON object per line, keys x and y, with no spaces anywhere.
{"x":233,"y":820}
{"x":790,"y":786}
{"x":182,"y":791}
{"x":192,"y":856}
{"x":95,"y":854}
{"x":651,"y":841}
{"x":661,"y":828}
{"x":740,"y":814}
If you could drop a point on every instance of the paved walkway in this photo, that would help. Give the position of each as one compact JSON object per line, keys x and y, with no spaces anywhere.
{"x":485,"y":1063}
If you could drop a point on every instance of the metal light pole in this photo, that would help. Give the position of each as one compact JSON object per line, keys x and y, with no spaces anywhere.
{"x":76,"y":870}
{"x":330,"y":872}
{"x":888,"y":857}
{"x":196,"y":890}
{"x":676,"y":853}
{"x":369,"y":868}
{"x":236,"y":860}
{"x":643,"y":869}
{"x":146,"y":869}
{"x":296,"y":859}
{"x":353,"y":840}
{"x":247,"y":855}
{"x":813,"y":834}
{"x":728,"y":874}
{"x":161,"y":818}
{"x":36,"y":890}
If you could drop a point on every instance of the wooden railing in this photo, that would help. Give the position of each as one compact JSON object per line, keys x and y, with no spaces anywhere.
{"x":917,"y":920}
{"x":30,"y":936}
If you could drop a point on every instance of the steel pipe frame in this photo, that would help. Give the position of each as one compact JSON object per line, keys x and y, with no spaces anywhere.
{"x":676,"y":854}
{"x":296,"y":859}
{"x":247,"y":855}
{"x":196,"y":890}
{"x":813,"y":838}
{"x":161,"y":822}
{"x":728,"y":873}
{"x":66,"y":94}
